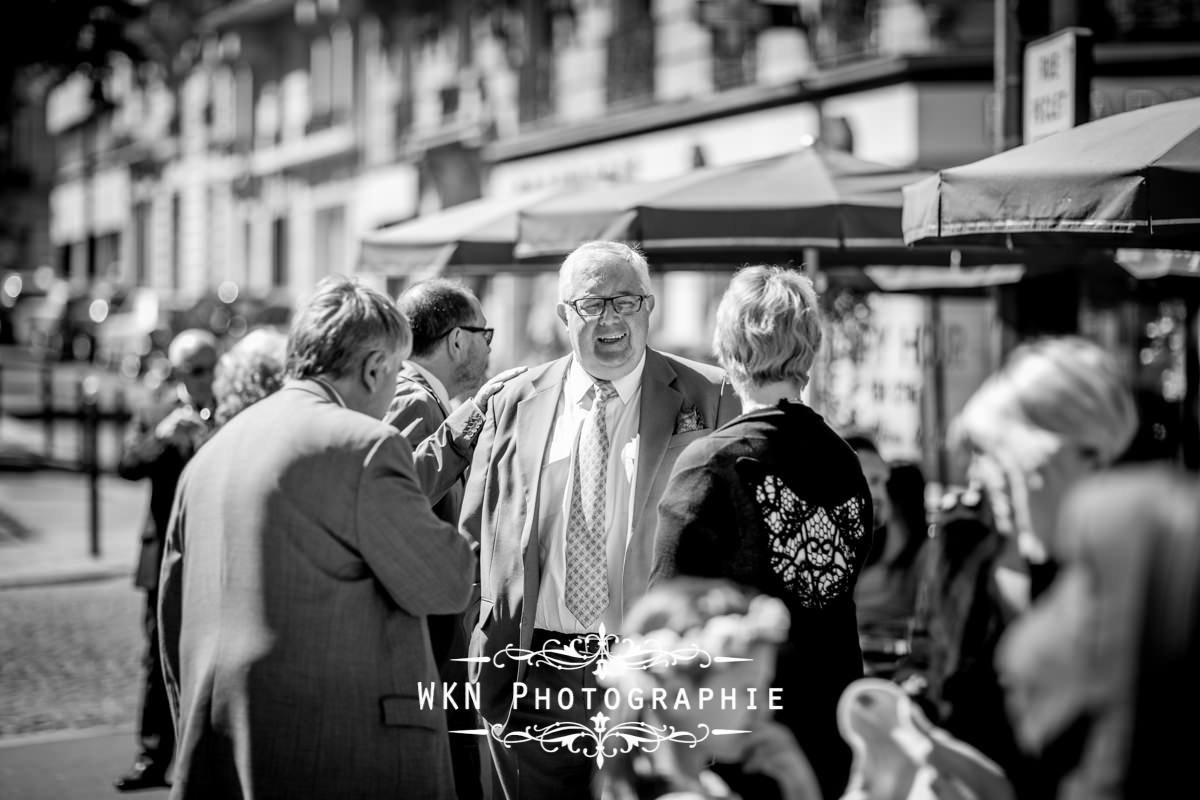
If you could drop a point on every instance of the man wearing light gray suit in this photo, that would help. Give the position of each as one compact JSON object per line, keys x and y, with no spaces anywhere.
{"x":562,"y":498}
{"x":301,"y":562}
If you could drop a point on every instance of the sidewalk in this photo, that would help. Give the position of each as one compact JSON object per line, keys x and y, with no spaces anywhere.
{"x":44,"y":527}
{"x":67,"y":766}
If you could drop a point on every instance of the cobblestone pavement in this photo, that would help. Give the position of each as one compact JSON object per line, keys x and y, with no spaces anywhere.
{"x":70,"y":656}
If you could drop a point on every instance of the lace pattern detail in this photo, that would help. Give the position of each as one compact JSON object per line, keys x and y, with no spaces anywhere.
{"x":813,"y":548}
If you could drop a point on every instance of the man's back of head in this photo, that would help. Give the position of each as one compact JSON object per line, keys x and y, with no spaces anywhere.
{"x":352,"y":336}
{"x":450,"y":335}
{"x":433,"y":307}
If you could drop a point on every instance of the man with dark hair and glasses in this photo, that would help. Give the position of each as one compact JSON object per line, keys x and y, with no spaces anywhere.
{"x":562,"y":497}
{"x":166,"y":433}
{"x":449,"y":361}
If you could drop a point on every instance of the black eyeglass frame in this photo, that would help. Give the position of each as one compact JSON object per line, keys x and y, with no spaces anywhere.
{"x":488,"y":333}
{"x":608,"y":301}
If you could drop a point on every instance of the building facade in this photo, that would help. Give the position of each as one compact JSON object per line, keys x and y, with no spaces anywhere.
{"x":306,"y":123}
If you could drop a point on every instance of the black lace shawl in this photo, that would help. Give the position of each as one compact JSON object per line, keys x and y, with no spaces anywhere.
{"x":777,"y":501}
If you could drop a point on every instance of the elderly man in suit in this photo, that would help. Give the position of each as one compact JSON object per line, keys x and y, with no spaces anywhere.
{"x":166,"y":433}
{"x":301,"y":562}
{"x":451,"y":347}
{"x":567,"y":475}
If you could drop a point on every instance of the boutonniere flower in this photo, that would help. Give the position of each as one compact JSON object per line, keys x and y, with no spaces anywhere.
{"x":689,"y":420}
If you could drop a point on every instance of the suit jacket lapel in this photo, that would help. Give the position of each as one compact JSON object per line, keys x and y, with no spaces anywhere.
{"x":661,"y":403}
{"x":535,"y":419}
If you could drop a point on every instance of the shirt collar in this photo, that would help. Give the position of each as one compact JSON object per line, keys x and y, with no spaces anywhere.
{"x":334,"y":395}
{"x":579,"y":382}
{"x":439,"y":388}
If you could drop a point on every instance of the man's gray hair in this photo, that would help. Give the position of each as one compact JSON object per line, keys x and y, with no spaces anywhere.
{"x":590,"y":254}
{"x":768,"y":327}
{"x":339,"y":325}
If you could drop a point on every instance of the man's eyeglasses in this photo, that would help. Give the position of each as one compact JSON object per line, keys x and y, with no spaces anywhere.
{"x":623,"y":304}
{"x":488,"y":333}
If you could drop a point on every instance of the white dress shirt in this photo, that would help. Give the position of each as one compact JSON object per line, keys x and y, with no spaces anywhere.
{"x":554,"y":508}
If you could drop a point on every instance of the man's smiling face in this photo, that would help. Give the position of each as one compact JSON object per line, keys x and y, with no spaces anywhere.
{"x":608,"y":346}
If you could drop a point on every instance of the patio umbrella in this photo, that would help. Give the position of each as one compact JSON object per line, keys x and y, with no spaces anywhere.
{"x":772,"y":209}
{"x":1129,"y":180}
{"x":471,"y":238}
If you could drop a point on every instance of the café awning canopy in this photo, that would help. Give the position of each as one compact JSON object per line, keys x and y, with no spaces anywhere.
{"x":475,"y":237}
{"x":1130,"y":180}
{"x":776,"y":209}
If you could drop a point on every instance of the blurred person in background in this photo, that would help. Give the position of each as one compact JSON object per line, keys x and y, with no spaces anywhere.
{"x":301,"y":561}
{"x":1108,"y":658}
{"x":886,"y":592}
{"x":707,"y":617}
{"x":165,"y":435}
{"x":249,"y":371}
{"x":1057,"y":409}
{"x":777,"y":501}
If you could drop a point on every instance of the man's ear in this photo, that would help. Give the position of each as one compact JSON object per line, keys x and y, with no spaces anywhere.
{"x":454,"y":344}
{"x":373,"y":368}
{"x":649,"y":303}
{"x":561,"y":310}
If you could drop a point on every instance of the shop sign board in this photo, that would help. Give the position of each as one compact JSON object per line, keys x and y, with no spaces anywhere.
{"x":1057,"y":81}
{"x":917,"y":370}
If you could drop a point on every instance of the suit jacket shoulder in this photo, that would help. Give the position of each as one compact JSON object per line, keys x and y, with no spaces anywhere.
{"x":705,"y":388}
{"x":532,"y":381}
{"x":688,"y":368}
{"x":414,"y":410}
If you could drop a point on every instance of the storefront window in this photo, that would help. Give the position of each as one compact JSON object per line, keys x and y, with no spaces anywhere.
{"x":1148,"y":335}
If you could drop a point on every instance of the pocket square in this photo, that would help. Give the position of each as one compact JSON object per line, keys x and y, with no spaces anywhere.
{"x":689,"y":420}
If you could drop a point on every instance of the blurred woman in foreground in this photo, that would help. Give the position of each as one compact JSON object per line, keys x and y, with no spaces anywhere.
{"x":671,"y":637}
{"x":1110,"y":655}
{"x":1056,"y":411}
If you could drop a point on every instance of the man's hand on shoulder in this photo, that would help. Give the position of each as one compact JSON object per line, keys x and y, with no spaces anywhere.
{"x":494,"y":385}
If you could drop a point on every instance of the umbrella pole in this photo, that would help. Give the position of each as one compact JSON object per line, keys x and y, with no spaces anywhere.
{"x":936,"y":392}
{"x":816,"y":380}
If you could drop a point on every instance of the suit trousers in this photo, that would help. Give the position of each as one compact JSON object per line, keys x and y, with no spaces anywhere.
{"x":525,"y":771}
{"x":156,"y":732}
{"x":448,"y":633}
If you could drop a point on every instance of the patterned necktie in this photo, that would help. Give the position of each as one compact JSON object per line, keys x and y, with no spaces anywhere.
{"x":587,"y":552}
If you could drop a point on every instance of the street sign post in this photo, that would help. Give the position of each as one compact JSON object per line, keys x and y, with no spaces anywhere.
{"x":1057,"y":82}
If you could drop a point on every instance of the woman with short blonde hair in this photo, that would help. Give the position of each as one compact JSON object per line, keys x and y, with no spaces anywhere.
{"x":768,"y":328}
{"x":776,"y":500}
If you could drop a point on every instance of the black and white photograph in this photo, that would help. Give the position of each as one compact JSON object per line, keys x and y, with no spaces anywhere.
{"x":599,"y":399}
